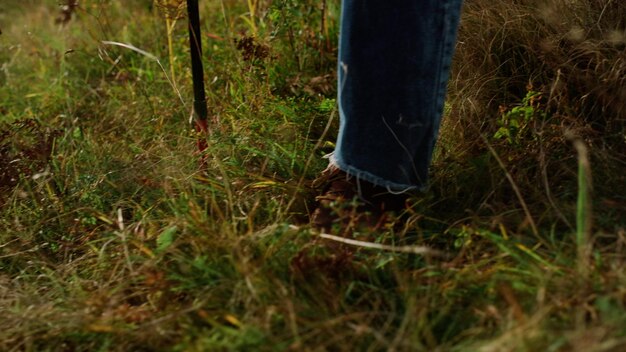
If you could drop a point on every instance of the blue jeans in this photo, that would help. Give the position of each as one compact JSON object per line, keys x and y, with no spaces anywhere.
{"x":394,"y":63}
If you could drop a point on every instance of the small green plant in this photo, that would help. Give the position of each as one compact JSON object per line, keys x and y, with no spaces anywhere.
{"x":515,"y":123}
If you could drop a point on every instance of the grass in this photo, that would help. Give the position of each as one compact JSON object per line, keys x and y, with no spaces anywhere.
{"x":112,"y":237}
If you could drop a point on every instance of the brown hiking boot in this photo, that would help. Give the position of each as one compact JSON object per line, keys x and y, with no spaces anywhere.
{"x":348,"y":205}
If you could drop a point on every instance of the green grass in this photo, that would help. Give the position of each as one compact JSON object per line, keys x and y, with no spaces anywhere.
{"x":113,"y":238}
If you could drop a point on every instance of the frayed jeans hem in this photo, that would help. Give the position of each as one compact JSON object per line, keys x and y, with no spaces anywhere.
{"x":392,"y":187}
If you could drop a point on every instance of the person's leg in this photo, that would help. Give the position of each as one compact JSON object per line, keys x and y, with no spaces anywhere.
{"x":394,"y":61}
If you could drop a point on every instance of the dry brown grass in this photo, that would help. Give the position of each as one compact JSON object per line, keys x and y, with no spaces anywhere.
{"x":572,"y":50}
{"x":573,"y":54}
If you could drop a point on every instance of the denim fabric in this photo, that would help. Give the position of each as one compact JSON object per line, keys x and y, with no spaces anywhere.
{"x":394,"y":62}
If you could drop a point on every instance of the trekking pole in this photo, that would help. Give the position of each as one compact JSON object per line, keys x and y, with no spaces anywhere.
{"x":197,"y":73}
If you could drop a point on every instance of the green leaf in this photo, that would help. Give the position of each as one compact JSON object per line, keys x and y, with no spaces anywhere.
{"x":166,"y":238}
{"x":501,"y":133}
{"x":327,"y":105}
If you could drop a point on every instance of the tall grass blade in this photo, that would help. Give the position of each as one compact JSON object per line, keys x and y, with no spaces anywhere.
{"x":583,"y":208}
{"x":151,"y":57}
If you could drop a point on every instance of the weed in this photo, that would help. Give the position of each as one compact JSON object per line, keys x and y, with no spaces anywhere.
{"x":516,"y":122}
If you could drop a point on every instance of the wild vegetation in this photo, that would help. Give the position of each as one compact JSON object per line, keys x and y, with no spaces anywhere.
{"x":114,"y":236}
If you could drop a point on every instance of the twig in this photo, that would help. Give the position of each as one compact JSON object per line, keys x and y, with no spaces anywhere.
{"x":122,"y":234}
{"x":8,"y":243}
{"x":35,"y":249}
{"x":422,"y":250}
